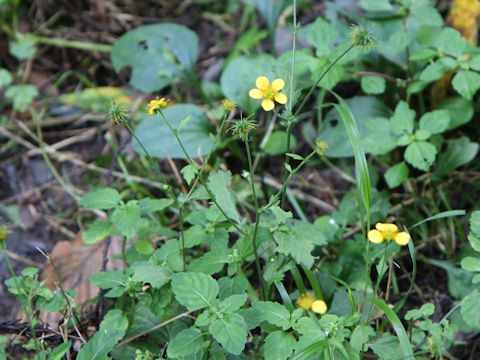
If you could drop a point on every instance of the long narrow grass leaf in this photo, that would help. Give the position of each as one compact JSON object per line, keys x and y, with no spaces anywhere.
{"x":397,"y":326}
{"x":442,"y":215}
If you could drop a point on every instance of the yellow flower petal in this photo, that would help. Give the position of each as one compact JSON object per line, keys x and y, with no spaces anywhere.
{"x":268,"y":104}
{"x":305,"y":301}
{"x":319,"y":307}
{"x":402,"y":238}
{"x":281,"y":98}
{"x":262,"y":83}
{"x":386,"y":227}
{"x":375,"y":236}
{"x":255,"y":94}
{"x":278,"y":84}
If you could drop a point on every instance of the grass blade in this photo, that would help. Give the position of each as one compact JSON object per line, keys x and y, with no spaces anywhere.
{"x":442,"y":215}
{"x":397,"y":326}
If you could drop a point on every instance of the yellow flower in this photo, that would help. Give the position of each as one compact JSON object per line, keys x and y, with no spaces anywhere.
{"x":305,"y":301}
{"x":308,"y":302}
{"x":319,"y":307}
{"x":388,"y":232}
{"x":157,"y":104}
{"x":229,"y":105}
{"x":269,"y":92}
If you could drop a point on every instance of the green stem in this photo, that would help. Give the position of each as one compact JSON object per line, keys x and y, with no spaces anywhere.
{"x":257,"y":219}
{"x":379,"y":280}
{"x":74,"y":44}
{"x":190,"y":160}
{"x":275,"y":198}
{"x":182,"y":236}
{"x":207,"y":159}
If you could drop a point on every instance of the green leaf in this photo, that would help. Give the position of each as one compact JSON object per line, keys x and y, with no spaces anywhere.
{"x":277,"y":143}
{"x":187,"y":342}
{"x":193,"y":290}
{"x":219,"y":182}
{"x":23,"y":49}
{"x":396,"y":175}
{"x":112,"y":329}
{"x":442,"y":215}
{"x":270,"y":10}
{"x":279,"y":345}
{"x":459,"y":152}
{"x":101,"y":199}
{"x":127,"y":219}
{"x":333,"y":130}
{"x":99,"y":230}
{"x":433,"y":72}
{"x":380,"y":139}
{"x":170,"y":255}
{"x":425,"y":311}
{"x":229,"y":286}
{"x":373,"y":85}
{"x":232,"y":303}
{"x":425,"y":14}
{"x":474,"y":236}
{"x":471,"y":263}
{"x":59,"y":352}
{"x":402,"y":121}
{"x":376,"y":5}
{"x":239,"y":77}
{"x":148,"y":206}
{"x":466,"y":83}
{"x":247,"y":41}
{"x":387,"y":347}
{"x":144,"y":247}
{"x":299,"y":242}
{"x":110,"y":279}
{"x":470,"y":309}
{"x":189,"y":172}
{"x":451,"y":42}
{"x":231,"y":332}
{"x":155,"y":275}
{"x":21,"y":96}
{"x":157,"y":54}
{"x":273,"y":313}
{"x":360,"y":336}
{"x":322,"y":35}
{"x":5,"y":78}
{"x":420,"y":154}
{"x":461,"y":111}
{"x":159,"y":141}
{"x":435,"y":122}
{"x":406,"y":347}
{"x":210,"y":263}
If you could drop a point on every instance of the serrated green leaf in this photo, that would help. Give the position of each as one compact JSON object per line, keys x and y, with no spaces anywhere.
{"x":460,"y":109}
{"x":299,"y":242}
{"x":360,"y":336}
{"x":470,"y":309}
{"x":127,"y":218}
{"x":169,"y":254}
{"x":279,"y":345}
{"x":474,"y":236}
{"x":23,"y":49}
{"x":148,"y":206}
{"x":21,"y":96}
{"x":99,"y":230}
{"x":322,"y":35}
{"x":112,"y":329}
{"x":471,"y":263}
{"x":376,"y":5}
{"x":152,"y":274}
{"x":402,"y":121}
{"x":102,"y":199}
{"x":420,"y":154}
{"x":466,"y":83}
{"x":231,"y":332}
{"x":193,"y":290}
{"x":373,"y":85}
{"x":273,"y":313}
{"x":5,"y":78}
{"x":187,"y":342}
{"x":189,"y":172}
{"x":219,"y":182}
{"x":435,"y":122}
{"x":233,"y":303}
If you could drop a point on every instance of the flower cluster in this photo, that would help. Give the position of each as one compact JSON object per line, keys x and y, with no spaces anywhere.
{"x":308,"y":302}
{"x":388,"y":232}
{"x":229,"y":105}
{"x":268,"y":92}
